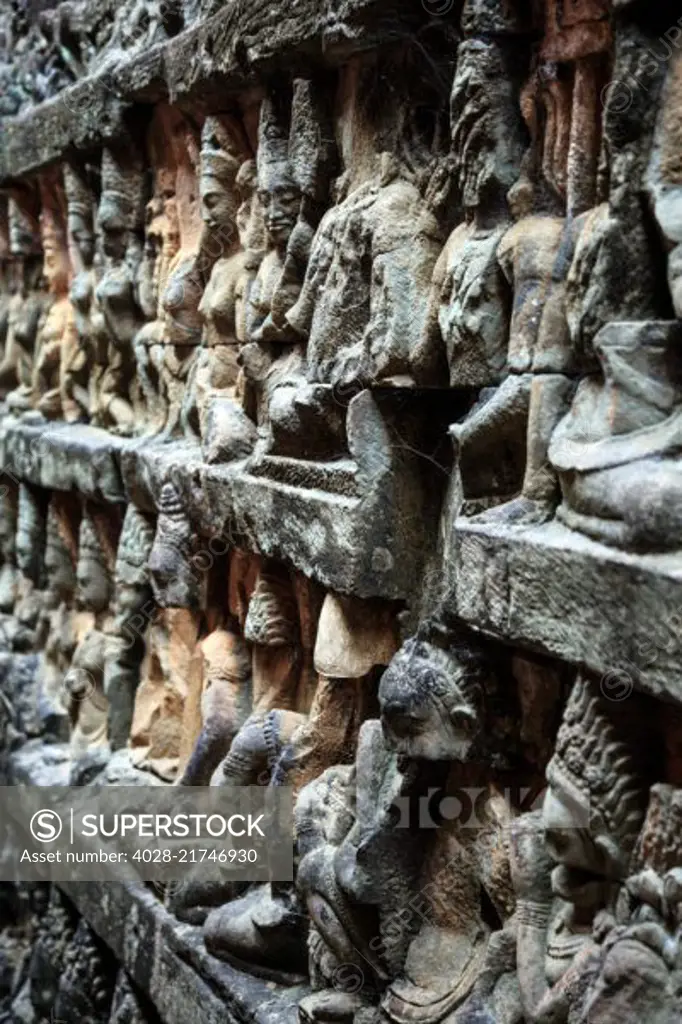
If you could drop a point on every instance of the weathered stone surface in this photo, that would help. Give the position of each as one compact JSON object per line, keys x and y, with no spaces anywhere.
{"x":168,"y":962}
{"x":226,"y":52}
{"x":556,"y":591}
{"x":65,"y":457}
{"x":340,"y":443}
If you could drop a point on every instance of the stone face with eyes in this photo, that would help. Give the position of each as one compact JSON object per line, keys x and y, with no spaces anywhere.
{"x":430,"y":701}
{"x":112,"y":227}
{"x":280,"y":200}
{"x":568,"y":839}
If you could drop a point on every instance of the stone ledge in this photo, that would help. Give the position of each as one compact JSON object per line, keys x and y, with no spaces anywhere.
{"x":201,"y":66}
{"x":372,"y":544}
{"x":170,"y":964}
{"x":83,"y":116}
{"x":555,"y":591}
{"x":350,"y":545}
{"x":64,"y":457}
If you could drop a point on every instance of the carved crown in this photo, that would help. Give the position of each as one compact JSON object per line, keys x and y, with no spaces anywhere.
{"x":223,"y":148}
{"x":594,"y":763}
{"x":272,"y":618}
{"x":79,"y":196}
{"x":123,"y":184}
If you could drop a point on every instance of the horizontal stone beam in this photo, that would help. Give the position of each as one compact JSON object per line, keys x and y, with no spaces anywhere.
{"x":555,"y":591}
{"x":170,"y":964}
{"x":201,"y":67}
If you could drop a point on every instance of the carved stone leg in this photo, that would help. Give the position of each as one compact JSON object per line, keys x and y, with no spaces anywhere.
{"x":134,"y":607}
{"x":156,"y":732}
{"x":224,"y":704}
{"x":151,"y":412}
{"x":549,"y":400}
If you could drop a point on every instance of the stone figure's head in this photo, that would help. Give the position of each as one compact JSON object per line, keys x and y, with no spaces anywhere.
{"x":133,"y":588}
{"x":175,"y":580}
{"x":597,"y":795}
{"x":24,"y":233}
{"x":278,"y":191}
{"x":250,"y":223}
{"x":223,"y":150}
{"x":272,"y":618}
{"x":56,"y":266}
{"x":80,"y":219}
{"x":121,"y":206}
{"x":432,"y":700}
{"x":488,"y":138}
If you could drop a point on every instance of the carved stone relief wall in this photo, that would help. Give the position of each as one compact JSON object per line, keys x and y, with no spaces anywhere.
{"x":340,"y":405}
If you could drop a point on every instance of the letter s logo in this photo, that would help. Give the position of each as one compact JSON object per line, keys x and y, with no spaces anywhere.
{"x":46,"y":826}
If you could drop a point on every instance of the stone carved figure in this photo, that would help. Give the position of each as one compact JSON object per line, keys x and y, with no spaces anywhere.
{"x":134,"y":608}
{"x":27,"y":304}
{"x":569,"y":865}
{"x":187,"y":275}
{"x":172,"y":664}
{"x":161,"y":246}
{"x":637,"y":968}
{"x":222,"y":702}
{"x":61,"y":628}
{"x":291,"y":747}
{"x":30,"y":547}
{"x":616,"y":449}
{"x":119,"y":317}
{"x":214,"y":407}
{"x":52,"y":340}
{"x":441,"y":699}
{"x":83,"y":361}
{"x":271,"y":628}
{"x":383,"y":222}
{"x":466,"y":328}
{"x":84,"y":682}
{"x":433,"y":702}
{"x":343,"y":825}
{"x":226,"y":690}
{"x":272,"y":351}
{"x":534,"y":258}
{"x":361,"y":303}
